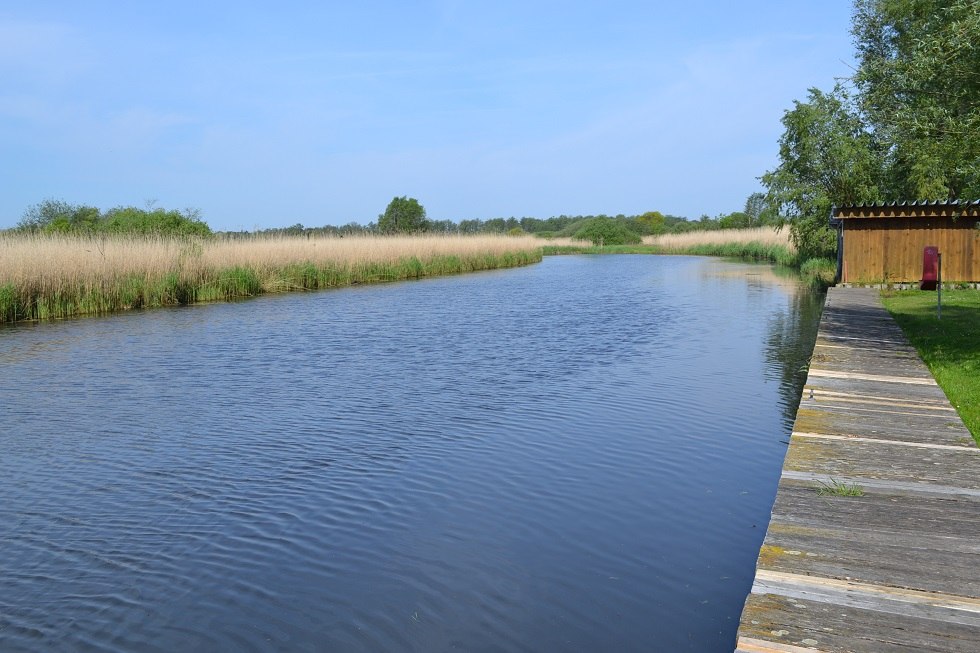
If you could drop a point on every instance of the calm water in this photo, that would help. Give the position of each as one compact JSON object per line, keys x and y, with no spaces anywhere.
{"x":575,"y":456}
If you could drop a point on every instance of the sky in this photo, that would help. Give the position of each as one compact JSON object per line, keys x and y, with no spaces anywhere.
{"x":269,"y":114}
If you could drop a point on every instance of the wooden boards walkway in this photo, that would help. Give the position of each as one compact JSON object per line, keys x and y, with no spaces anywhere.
{"x":897,"y":569}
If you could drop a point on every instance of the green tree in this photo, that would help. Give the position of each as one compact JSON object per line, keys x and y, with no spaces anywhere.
{"x":443,"y":226}
{"x":919,"y":83}
{"x":827,"y":156}
{"x":735,"y":220}
{"x":606,"y":231}
{"x":495,"y":226}
{"x":403,"y":215}
{"x":653,"y":222}
{"x":755,"y":208}
{"x":470,"y":226}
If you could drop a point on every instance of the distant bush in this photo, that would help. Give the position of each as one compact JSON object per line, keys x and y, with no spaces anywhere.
{"x":130,"y":220}
{"x":606,"y":231}
{"x":572,"y":228}
{"x":59,"y":217}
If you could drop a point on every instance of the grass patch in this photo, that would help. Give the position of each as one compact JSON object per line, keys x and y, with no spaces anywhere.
{"x":949,"y":346}
{"x":837,"y":488}
{"x":10,"y":309}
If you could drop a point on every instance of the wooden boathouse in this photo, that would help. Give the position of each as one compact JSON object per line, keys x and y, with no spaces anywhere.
{"x":884,"y":243}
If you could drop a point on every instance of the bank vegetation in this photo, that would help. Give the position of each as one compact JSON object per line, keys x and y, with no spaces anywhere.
{"x":771,"y":244}
{"x":45,"y":276}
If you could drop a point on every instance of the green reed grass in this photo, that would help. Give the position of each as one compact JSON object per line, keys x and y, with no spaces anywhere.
{"x":752,"y":250}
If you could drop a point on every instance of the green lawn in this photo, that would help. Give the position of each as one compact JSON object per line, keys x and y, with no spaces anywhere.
{"x":950,"y":346}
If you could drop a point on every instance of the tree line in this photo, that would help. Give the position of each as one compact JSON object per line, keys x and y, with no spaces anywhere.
{"x":407,"y":215}
{"x":403,"y":215}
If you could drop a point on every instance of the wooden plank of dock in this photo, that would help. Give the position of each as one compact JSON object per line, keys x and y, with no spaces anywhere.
{"x":897,"y":569}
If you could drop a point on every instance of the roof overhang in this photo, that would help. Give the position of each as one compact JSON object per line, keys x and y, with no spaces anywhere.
{"x":926,"y":209}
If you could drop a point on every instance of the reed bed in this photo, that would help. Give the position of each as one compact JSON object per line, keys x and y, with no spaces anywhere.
{"x":770,"y":244}
{"x":44,"y":277}
{"x":757,"y":243}
{"x":767,"y":236}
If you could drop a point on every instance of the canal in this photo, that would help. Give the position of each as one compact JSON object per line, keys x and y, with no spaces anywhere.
{"x":579,"y":455}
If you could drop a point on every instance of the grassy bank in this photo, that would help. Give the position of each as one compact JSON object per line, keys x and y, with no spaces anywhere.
{"x":757,"y":244}
{"x":950,"y":346}
{"x":44,"y":277}
{"x":557,"y":247}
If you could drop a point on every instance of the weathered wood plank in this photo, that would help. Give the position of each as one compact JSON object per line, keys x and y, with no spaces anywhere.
{"x":827,"y":626}
{"x":880,"y":378}
{"x":749,"y":645}
{"x":912,"y":542}
{"x":900,"y":443}
{"x":877,"y":485}
{"x":871,"y":460}
{"x":963,"y":610}
{"x":888,"y":511}
{"x":847,"y":359}
{"x":942,"y":430}
{"x":860,"y":386}
{"x":841,"y":399}
{"x":877,"y":561}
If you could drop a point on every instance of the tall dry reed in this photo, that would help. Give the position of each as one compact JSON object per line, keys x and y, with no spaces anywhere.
{"x":766,"y":236}
{"x":60,"y":276}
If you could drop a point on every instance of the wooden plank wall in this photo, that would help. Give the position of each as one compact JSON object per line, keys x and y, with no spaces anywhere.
{"x":889,"y":250}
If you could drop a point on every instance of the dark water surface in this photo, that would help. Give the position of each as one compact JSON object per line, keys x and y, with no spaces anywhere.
{"x":575,"y":456}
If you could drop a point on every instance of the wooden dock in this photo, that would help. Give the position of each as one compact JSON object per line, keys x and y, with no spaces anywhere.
{"x":897,"y":569}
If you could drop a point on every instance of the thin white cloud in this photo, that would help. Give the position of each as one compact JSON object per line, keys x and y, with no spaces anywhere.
{"x":44,"y":51}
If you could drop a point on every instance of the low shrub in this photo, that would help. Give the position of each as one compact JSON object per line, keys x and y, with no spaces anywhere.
{"x":819,"y":272}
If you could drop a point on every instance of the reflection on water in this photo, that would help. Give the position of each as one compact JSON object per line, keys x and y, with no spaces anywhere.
{"x":789,"y":347}
{"x":580,"y":455}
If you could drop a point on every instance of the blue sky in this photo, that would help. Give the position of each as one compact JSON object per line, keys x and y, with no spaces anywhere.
{"x":269,"y":114}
